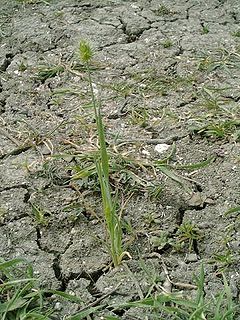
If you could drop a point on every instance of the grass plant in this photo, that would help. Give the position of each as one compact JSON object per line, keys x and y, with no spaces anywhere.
{"x":162,"y":10}
{"x":20,"y":296}
{"x":236,"y":33}
{"x":220,"y":129}
{"x":124,"y":171}
{"x":167,"y":43}
{"x":212,"y":100}
{"x":149,"y":82}
{"x":175,"y":306}
{"x":39,"y":215}
{"x":205,"y":29}
{"x":132,"y":175}
{"x":139,"y":116}
{"x":46,"y":72}
{"x":113,"y":221}
{"x":189,"y":233}
{"x":221,"y":59}
{"x":224,"y":260}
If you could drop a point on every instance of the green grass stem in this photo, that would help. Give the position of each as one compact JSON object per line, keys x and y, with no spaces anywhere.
{"x":113,"y":223}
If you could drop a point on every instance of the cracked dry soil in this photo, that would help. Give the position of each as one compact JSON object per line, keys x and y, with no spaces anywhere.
{"x":168,"y":72}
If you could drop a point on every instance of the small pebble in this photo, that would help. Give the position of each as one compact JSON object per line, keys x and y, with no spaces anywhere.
{"x":58,"y":306}
{"x":160,"y":148}
{"x":191,"y":257}
{"x":146,"y":153}
{"x":45,"y":151}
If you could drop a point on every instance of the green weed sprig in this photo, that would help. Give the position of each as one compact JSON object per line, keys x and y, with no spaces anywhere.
{"x":112,"y":220}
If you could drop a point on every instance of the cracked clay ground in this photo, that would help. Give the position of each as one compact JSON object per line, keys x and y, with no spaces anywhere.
{"x":168,"y":73}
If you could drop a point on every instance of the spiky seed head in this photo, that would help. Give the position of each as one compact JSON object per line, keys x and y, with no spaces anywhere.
{"x":85,"y":51}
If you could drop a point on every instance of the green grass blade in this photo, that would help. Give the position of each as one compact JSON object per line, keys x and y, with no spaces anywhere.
{"x":110,"y":215}
{"x":195,"y":166}
{"x":14,"y":282}
{"x":86,"y":172}
{"x":83,"y":314}
{"x":217,"y":311}
{"x":173,"y":176}
{"x":65,"y":295}
{"x":232,"y":210}
{"x":11,"y":263}
{"x":200,"y":285}
{"x":230,"y":305}
{"x":103,"y":148}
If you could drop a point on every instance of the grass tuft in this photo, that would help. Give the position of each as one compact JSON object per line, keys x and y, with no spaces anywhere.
{"x":46,"y":72}
{"x":175,"y":306}
{"x":20,"y":295}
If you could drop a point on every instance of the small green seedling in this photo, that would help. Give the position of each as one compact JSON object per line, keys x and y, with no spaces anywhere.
{"x":221,"y":130}
{"x":155,"y":191}
{"x":205,"y":63}
{"x":22,"y":67}
{"x":236,"y":33}
{"x":167,"y":43}
{"x":205,"y":29}
{"x":221,"y":59}
{"x":39,"y":215}
{"x":162,"y":10}
{"x":139,"y":117}
{"x":175,"y":305}
{"x":59,"y":14}
{"x":189,"y":233}
{"x":224,"y":260}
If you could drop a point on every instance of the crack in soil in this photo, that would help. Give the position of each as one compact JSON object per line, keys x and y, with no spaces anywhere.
{"x":180,"y":48}
{"x":16,"y":151}
{"x":195,"y":246}
{"x":19,"y":186}
{"x":104,"y":24}
{"x":171,"y":69}
{"x":56,"y":261}
{"x":93,"y":277}
{"x":25,"y":200}
{"x":38,"y":240}
{"x":130,"y":36}
{"x":59,"y":274}
{"x":183,"y":209}
{"x":185,"y":103}
{"x":233,"y":14}
{"x":6,"y":62}
{"x":85,"y":6}
{"x":235,"y":99}
{"x":19,"y":217}
{"x":3,"y":103}
{"x":187,"y":11}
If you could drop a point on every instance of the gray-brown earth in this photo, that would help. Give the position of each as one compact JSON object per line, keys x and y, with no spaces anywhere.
{"x":167,"y":72}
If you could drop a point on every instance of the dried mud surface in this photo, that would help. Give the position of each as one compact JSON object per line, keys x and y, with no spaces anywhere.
{"x":167,"y":72}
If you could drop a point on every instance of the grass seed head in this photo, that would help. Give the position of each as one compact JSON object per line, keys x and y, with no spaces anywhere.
{"x":85,"y":51}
